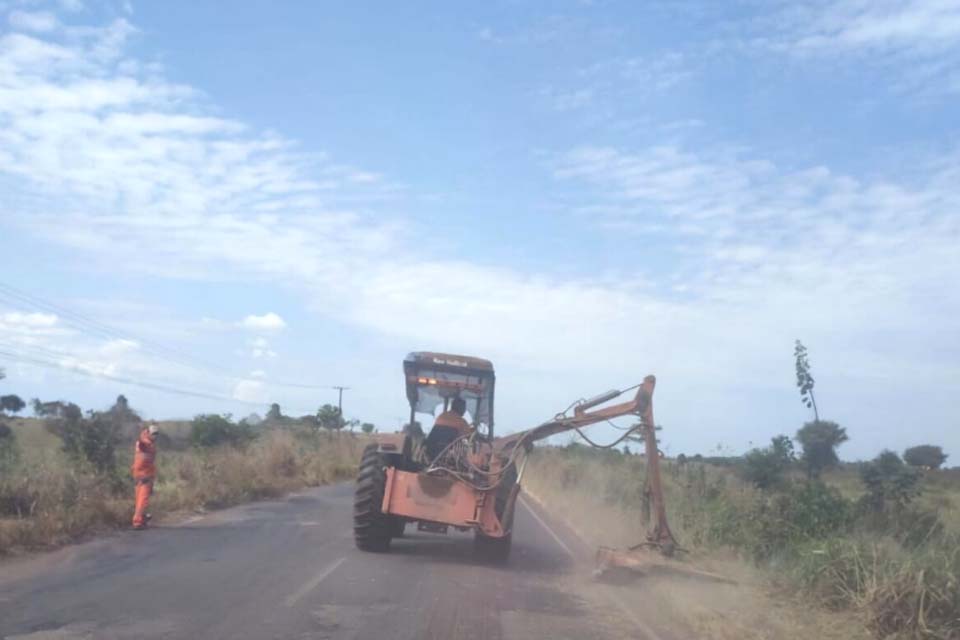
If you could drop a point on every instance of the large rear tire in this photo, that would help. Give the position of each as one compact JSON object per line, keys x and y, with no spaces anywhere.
{"x":372,"y":529}
{"x":497,"y":550}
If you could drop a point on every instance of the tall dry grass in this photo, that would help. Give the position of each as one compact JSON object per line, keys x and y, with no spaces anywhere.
{"x":808,"y":540}
{"x":47,"y":500}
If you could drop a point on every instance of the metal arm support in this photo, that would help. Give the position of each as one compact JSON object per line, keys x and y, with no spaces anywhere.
{"x":641,"y":405}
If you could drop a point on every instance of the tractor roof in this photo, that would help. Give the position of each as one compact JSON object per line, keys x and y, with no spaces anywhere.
{"x":434,"y":360}
{"x":433,"y":378}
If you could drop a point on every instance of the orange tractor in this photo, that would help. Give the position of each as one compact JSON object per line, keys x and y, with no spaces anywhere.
{"x":470,"y":480}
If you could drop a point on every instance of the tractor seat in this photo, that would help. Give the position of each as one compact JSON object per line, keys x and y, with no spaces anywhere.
{"x":440,"y":436}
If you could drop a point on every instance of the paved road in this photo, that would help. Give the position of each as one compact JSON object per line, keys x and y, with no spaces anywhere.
{"x":288,"y":569}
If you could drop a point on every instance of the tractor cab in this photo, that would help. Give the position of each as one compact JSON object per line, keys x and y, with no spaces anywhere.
{"x":435,"y":380}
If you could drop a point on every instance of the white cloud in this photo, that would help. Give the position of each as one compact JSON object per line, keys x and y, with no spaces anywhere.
{"x":260,"y":348}
{"x":250,"y":391}
{"x":915,"y":42}
{"x":39,"y":21}
{"x":267,"y":322}
{"x":132,"y":165}
{"x":18,"y":319}
{"x":119,"y":347}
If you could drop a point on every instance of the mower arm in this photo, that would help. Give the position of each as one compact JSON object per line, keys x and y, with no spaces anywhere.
{"x":641,"y":405}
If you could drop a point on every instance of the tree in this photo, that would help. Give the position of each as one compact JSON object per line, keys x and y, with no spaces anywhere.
{"x":92,"y":439}
{"x":925,"y":455}
{"x":765,"y":467}
{"x":820,"y":440}
{"x":329,"y":417}
{"x":211,"y":430}
{"x":805,"y":381}
{"x":889,"y":482}
{"x":12,"y":403}
{"x":274,"y":413}
{"x":368,"y":427}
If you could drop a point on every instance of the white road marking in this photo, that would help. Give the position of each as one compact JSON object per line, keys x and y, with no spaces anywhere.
{"x":547,"y":528}
{"x":640,"y":624}
{"x":313,"y":583}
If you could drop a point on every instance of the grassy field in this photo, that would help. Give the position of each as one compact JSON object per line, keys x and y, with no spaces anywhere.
{"x":47,"y":499}
{"x":803,"y":545}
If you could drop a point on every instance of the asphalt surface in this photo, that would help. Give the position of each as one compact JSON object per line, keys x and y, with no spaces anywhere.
{"x":289,"y":569}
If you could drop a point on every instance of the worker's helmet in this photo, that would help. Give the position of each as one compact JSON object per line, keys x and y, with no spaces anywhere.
{"x":153,"y":429}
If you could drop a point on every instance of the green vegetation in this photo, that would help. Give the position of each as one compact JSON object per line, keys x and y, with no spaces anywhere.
{"x":820,"y":440}
{"x":328,"y":416}
{"x":12,"y":404}
{"x":65,"y":475}
{"x":765,"y":468}
{"x":870,"y":541}
{"x":211,"y":430}
{"x":925,"y":455}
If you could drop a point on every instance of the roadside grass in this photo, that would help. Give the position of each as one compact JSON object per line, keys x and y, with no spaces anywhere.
{"x":47,"y":500}
{"x":897,"y":578}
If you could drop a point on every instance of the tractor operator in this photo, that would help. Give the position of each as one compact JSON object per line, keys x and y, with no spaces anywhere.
{"x":448,"y":426}
{"x":453,"y":418}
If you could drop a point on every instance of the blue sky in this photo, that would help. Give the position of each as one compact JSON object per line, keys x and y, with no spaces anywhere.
{"x":584,"y":192}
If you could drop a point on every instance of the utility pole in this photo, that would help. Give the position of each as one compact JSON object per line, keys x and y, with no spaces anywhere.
{"x":340,"y":391}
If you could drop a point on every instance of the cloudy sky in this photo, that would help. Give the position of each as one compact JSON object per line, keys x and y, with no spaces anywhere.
{"x":254,"y":205}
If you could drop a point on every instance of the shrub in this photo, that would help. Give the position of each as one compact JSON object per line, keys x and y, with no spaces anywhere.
{"x":889,"y":482}
{"x":804,"y":512}
{"x":91,"y":440}
{"x":820,"y":440}
{"x":765,"y":467}
{"x":211,"y":430}
{"x":925,"y":455}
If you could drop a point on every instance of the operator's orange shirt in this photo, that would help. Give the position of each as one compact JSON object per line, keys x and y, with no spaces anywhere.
{"x":453,"y":420}
{"x":144,"y":457}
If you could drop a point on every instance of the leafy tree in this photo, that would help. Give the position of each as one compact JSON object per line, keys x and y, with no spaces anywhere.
{"x":274,"y":413}
{"x":925,"y":455}
{"x":820,"y":440}
{"x":889,"y":482}
{"x":12,"y":403}
{"x":765,"y":467}
{"x":368,"y":427}
{"x":805,"y":381}
{"x":52,"y":409}
{"x":329,"y":417}
{"x":92,"y":439}
{"x":211,"y":430}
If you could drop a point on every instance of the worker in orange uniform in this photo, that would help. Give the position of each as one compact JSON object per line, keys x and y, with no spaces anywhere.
{"x":453,"y":417}
{"x":144,"y":472}
{"x":448,"y":426}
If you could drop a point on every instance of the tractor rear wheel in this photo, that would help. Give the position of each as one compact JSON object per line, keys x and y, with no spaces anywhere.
{"x":497,"y":550}
{"x":372,"y":529}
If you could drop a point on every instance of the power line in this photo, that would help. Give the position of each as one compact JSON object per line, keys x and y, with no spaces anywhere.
{"x":165,"y":388}
{"x":88,"y":325}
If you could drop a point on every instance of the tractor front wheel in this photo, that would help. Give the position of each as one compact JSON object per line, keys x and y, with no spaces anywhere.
{"x":372,"y":529}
